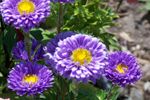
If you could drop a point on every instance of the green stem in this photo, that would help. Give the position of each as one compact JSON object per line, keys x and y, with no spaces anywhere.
{"x":63,"y":96}
{"x":60,"y":18}
{"x":62,"y":89}
{"x":35,"y":51}
{"x":33,"y":97}
{"x":27,"y":44}
{"x":76,"y":90}
{"x":111,"y":91}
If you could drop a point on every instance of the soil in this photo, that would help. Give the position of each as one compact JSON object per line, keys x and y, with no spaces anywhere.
{"x":133,"y":33}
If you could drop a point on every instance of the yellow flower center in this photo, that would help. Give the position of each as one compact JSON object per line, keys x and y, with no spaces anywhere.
{"x":81,"y":56}
{"x":31,"y":79}
{"x":121,"y":68}
{"x":26,"y":6}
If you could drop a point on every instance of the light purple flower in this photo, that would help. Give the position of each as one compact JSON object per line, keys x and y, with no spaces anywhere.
{"x":80,"y":57}
{"x":122,"y":69}
{"x":25,"y":14}
{"x":30,"y":78}
{"x":52,"y":44}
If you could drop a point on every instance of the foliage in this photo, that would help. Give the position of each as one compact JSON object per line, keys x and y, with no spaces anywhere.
{"x":87,"y":16}
{"x":147,"y":4}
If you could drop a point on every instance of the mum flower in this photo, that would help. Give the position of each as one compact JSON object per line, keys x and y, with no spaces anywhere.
{"x":25,"y":14}
{"x":52,"y":44}
{"x":30,"y":78}
{"x":19,"y":51}
{"x":63,"y":1}
{"x":122,"y":69}
{"x":80,"y":57}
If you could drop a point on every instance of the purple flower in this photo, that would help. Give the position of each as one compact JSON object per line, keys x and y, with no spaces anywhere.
{"x":30,"y":78}
{"x":80,"y":57}
{"x":52,"y":44}
{"x":63,"y":1}
{"x":25,"y":14}
{"x":122,"y":69}
{"x":19,"y":51}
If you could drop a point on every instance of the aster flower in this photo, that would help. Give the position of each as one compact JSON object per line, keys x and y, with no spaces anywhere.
{"x":25,"y":14}
{"x":122,"y":69}
{"x":63,"y":1}
{"x":30,"y":78}
{"x":80,"y":57}
{"x":19,"y":51}
{"x":52,"y":44}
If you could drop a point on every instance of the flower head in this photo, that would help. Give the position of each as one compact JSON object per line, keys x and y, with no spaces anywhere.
{"x":25,"y":14}
{"x":52,"y":44}
{"x":30,"y":78}
{"x":63,"y":1}
{"x":20,"y":52}
{"x":122,"y":69}
{"x":80,"y":57}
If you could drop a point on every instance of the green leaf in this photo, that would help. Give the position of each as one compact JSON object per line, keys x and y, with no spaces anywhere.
{"x":110,"y":41}
{"x":7,"y":42}
{"x":89,"y":92}
{"x":37,"y":34}
{"x":48,"y":34}
{"x":9,"y":39}
{"x":42,"y":35}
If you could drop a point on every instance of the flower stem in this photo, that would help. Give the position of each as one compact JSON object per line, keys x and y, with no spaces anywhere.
{"x":27,"y":44}
{"x":63,"y":87}
{"x":60,"y":17}
{"x":112,"y":91}
{"x":33,"y":97}
{"x":76,"y":89}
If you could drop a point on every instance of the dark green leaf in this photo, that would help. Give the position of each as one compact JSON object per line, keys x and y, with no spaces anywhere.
{"x":89,"y":92}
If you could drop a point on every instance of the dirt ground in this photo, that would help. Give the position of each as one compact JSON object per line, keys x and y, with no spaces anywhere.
{"x":133,"y":33}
